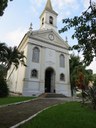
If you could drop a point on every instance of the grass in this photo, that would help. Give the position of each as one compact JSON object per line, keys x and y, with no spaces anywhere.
{"x":9,"y":100}
{"x":68,"y":115}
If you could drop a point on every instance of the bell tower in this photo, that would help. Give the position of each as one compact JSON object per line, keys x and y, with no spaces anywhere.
{"x":48,"y":18}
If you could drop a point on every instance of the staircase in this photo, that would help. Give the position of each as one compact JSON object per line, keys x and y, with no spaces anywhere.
{"x":52,"y":95}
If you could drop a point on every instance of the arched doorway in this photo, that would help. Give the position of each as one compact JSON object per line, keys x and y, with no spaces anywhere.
{"x":50,"y":80}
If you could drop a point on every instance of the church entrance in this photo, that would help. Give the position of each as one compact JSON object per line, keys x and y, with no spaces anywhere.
{"x":50,"y":80}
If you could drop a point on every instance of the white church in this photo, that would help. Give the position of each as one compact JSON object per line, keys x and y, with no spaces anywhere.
{"x":47,"y":60}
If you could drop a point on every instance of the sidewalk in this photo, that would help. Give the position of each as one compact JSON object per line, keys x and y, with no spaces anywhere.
{"x":14,"y":114}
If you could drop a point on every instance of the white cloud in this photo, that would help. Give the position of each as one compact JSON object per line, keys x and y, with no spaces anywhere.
{"x":36,"y":4}
{"x":93,"y":66}
{"x":63,"y":15}
{"x":85,"y":4}
{"x":64,"y":8}
{"x":62,"y":3}
{"x":39,"y":2}
{"x":59,"y":5}
{"x":14,"y":37}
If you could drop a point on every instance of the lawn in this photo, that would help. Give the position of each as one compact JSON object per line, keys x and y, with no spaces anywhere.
{"x":9,"y":100}
{"x":67,"y":115}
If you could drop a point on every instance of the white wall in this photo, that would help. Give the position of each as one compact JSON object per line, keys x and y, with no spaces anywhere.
{"x":49,"y":57}
{"x":46,"y":24}
{"x":33,"y":86}
{"x":15,"y":76}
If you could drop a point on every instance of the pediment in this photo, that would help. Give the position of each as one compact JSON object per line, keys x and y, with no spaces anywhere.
{"x":49,"y":36}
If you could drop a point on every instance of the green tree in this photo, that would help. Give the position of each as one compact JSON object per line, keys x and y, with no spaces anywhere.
{"x":3,"y":5}
{"x":94,"y":76}
{"x":2,"y":49}
{"x":88,"y":76}
{"x":9,"y":56}
{"x":2,"y":72}
{"x":13,"y":56}
{"x":76,"y":66}
{"x":84,"y":31}
{"x":4,"y":91}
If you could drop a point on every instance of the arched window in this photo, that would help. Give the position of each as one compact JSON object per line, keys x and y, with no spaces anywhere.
{"x":42,"y":20}
{"x":62,"y":77}
{"x":62,"y":60}
{"x":35,"y":57}
{"x":34,"y":73}
{"x":51,"y":20}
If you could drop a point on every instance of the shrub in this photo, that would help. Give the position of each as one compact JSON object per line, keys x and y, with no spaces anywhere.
{"x":4,"y":91}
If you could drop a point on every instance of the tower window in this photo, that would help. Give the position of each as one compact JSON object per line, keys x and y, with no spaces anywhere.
{"x":51,"y":20}
{"x":35,"y":57}
{"x":62,"y":77}
{"x":42,"y":20}
{"x":34,"y":73}
{"x":62,"y":60}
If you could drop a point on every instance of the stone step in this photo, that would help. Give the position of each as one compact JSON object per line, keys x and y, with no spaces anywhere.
{"x":52,"y":95}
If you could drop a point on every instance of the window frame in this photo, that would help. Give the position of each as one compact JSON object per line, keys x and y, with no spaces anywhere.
{"x":62,"y":77}
{"x":36,"y":55}
{"x":42,"y":20}
{"x":51,"y":20}
{"x":62,"y":60}
{"x":34,"y":73}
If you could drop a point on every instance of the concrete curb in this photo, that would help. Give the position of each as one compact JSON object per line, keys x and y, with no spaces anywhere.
{"x":17,"y":103}
{"x":31,"y":117}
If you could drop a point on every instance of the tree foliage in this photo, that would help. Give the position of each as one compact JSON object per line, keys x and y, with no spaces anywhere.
{"x":10,"y":55}
{"x":76,"y":68}
{"x":4,"y":91}
{"x":79,"y":78}
{"x":75,"y":65}
{"x":94,"y":79}
{"x":84,"y":31}
{"x":3,"y":5}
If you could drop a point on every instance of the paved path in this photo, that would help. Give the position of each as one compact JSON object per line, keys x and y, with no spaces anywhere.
{"x":14,"y":114}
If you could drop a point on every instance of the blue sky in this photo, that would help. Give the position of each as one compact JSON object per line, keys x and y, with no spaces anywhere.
{"x":20,"y":13}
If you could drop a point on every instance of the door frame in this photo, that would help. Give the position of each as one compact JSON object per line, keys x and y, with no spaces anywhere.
{"x":51,"y":87}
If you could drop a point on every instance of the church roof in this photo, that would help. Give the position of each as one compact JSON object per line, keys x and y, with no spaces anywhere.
{"x":43,"y":36}
{"x":49,"y":8}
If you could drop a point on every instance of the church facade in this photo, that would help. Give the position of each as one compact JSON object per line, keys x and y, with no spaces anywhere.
{"x":47,"y":60}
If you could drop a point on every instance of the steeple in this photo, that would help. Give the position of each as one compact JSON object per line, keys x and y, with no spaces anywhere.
{"x":48,"y":5}
{"x":49,"y":8}
{"x":48,"y":17}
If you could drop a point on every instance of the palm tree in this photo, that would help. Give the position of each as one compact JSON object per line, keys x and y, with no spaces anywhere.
{"x":2,"y":46}
{"x":3,"y":50}
{"x":10,"y":55}
{"x":13,"y":56}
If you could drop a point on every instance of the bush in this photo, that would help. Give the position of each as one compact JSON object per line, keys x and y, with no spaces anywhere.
{"x":4,"y":91}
